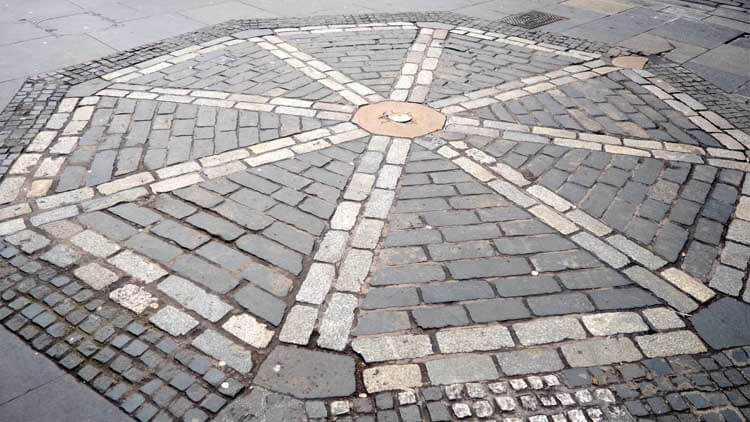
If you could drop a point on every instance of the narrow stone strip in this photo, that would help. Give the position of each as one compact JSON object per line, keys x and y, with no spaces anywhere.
{"x":354,"y":92}
{"x":556,"y":212}
{"x":278,"y":105}
{"x":128,"y":188}
{"x":527,"y":86}
{"x":162,"y":62}
{"x":335,"y":279}
{"x":196,"y":50}
{"x":421,"y":61}
{"x":718,"y":127}
{"x":734,"y":257}
{"x":608,"y":143}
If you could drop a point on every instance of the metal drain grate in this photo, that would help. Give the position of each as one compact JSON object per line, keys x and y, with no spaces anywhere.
{"x":532,"y":19}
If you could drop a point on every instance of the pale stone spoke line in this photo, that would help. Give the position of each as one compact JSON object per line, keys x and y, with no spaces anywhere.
{"x":554,"y":331}
{"x":317,"y":70}
{"x":167,"y":60}
{"x":722,"y":130}
{"x":524,"y":42}
{"x":521,"y":88}
{"x":129,"y":188}
{"x":42,"y":161}
{"x":421,"y":61}
{"x":278,"y":105}
{"x":358,"y":220}
{"x":676,"y":287}
{"x":662,"y":150}
{"x":728,"y":276}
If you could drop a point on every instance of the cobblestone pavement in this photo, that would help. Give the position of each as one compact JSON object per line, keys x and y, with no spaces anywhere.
{"x":198,"y":230}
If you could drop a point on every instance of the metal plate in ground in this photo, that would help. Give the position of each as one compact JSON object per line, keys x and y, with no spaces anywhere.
{"x":532,"y":19}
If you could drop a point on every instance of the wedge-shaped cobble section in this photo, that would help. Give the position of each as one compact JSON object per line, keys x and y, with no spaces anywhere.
{"x":241,"y":68}
{"x":470,"y":64}
{"x":611,"y":105}
{"x":372,"y":58}
{"x":127,"y":135}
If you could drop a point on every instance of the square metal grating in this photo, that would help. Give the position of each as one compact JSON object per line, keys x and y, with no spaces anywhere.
{"x":532,"y":19}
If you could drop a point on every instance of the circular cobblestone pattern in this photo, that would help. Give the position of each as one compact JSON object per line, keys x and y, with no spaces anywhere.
{"x":394,"y":220}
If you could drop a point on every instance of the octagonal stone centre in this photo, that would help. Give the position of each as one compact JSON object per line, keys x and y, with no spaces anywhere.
{"x":399,"y":119}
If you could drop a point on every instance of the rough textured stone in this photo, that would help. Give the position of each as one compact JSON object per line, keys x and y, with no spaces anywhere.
{"x":529,"y":361}
{"x":392,"y":377}
{"x":307,"y":374}
{"x":669,"y":344}
{"x":173,"y":321}
{"x":461,"y":369}
{"x":221,"y":348}
{"x":260,"y":404}
{"x":600,"y":352}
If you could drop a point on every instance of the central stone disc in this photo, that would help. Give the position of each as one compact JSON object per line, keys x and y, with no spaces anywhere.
{"x":399,"y":119}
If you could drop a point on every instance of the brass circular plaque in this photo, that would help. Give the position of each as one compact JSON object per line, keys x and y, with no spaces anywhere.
{"x":399,"y":119}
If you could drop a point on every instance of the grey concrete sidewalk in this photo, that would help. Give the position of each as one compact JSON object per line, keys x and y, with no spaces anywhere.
{"x":41,"y":391}
{"x":42,"y":35}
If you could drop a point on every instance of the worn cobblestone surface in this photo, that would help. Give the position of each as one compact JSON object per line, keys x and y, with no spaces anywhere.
{"x":196,"y":230}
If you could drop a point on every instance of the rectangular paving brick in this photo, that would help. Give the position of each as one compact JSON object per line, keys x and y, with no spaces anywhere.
{"x":461,"y":369}
{"x":529,"y":361}
{"x":194,"y":298}
{"x":560,"y":304}
{"x":209,"y":275}
{"x":488,"y":267}
{"x":221,"y":348}
{"x":597,"y":352}
{"x":260,"y":303}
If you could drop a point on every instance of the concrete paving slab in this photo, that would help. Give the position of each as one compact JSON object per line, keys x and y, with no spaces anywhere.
{"x":225,"y":11}
{"x":729,"y":23}
{"x":497,"y":9}
{"x":20,"y":363}
{"x":604,"y":7}
{"x":616,"y":28}
{"x":727,"y":58}
{"x":297,"y":8}
{"x":40,"y":391}
{"x":141,"y":31}
{"x":696,"y":33}
{"x":728,"y":81}
{"x":76,"y":24}
{"x":43,"y":54}
{"x":13,"y":32}
{"x":683,"y":52}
